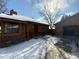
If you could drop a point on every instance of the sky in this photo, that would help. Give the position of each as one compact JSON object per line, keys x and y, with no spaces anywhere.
{"x":23,"y":7}
{"x":31,"y":9}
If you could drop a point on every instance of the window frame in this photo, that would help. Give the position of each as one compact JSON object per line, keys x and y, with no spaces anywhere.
{"x":8,"y":29}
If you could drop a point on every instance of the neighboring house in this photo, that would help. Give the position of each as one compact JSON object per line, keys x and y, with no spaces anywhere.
{"x":69,"y":25}
{"x":14,"y":27}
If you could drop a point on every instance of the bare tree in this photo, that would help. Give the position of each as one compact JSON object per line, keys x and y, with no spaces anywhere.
{"x":49,"y":15}
{"x":50,"y":9}
{"x":3,"y":8}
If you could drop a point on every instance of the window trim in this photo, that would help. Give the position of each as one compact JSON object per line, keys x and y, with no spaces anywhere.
{"x":9,"y":29}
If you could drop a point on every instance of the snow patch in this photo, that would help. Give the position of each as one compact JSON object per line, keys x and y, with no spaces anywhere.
{"x":21,"y":18}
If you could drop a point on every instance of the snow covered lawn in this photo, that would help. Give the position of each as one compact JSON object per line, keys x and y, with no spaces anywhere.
{"x":37,"y":49}
{"x":23,"y":50}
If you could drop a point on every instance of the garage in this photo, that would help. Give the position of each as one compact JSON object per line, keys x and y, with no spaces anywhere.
{"x":71,"y":30}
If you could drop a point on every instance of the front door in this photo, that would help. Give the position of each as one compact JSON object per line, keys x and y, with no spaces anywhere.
{"x":36,"y":29}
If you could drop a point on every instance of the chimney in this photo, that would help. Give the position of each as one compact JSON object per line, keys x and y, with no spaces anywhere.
{"x":12,"y":12}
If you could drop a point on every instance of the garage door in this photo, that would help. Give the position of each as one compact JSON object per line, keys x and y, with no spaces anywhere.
{"x":71,"y":30}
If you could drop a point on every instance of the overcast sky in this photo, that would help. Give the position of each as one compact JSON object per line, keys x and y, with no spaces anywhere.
{"x":29,"y":8}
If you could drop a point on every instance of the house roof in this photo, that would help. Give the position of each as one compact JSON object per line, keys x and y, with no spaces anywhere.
{"x":21,"y":18}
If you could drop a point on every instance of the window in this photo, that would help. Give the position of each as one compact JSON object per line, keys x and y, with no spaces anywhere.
{"x":11,"y":28}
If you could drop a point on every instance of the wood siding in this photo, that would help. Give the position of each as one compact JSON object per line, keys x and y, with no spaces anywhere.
{"x":26,"y":30}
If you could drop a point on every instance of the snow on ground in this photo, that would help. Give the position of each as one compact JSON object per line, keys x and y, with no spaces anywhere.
{"x":23,"y":50}
{"x":37,"y":49}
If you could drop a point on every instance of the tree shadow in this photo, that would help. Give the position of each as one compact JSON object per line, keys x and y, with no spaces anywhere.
{"x":69,"y":45}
